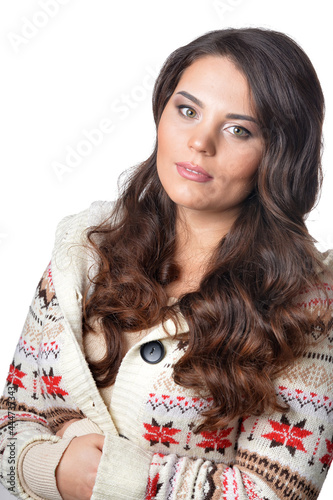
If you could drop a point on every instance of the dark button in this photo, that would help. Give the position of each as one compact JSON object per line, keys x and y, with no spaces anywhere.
{"x":152,"y":352}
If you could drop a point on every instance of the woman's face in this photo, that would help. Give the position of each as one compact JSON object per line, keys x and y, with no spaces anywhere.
{"x":209,"y":143}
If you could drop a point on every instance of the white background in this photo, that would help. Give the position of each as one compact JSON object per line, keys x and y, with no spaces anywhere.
{"x":66,"y":71}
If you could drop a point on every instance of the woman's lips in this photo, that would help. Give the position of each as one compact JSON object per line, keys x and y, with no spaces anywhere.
{"x":193,"y":172}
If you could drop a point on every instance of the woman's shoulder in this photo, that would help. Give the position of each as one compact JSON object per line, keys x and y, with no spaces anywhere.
{"x":73,"y":259}
{"x":73,"y":227}
{"x":325,"y":273}
{"x":327,"y":259}
{"x":317,"y":299}
{"x":72,"y":255}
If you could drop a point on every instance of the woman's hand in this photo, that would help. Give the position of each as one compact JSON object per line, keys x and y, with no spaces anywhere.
{"x":77,"y":469}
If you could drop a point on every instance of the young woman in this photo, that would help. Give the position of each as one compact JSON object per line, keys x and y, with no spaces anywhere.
{"x":179,"y":344}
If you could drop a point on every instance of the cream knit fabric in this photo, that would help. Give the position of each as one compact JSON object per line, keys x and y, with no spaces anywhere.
{"x":151,"y":450}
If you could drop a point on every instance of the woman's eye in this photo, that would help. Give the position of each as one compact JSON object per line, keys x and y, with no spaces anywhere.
{"x":187,"y":111}
{"x":239,"y":131}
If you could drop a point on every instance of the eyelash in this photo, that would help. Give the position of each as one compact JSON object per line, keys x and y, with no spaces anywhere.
{"x":183,"y":106}
{"x":246,"y":132}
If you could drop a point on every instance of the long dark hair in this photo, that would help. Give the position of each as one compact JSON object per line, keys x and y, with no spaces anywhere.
{"x":244,"y":324}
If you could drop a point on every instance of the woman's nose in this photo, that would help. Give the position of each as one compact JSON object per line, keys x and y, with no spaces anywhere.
{"x":202,"y":140}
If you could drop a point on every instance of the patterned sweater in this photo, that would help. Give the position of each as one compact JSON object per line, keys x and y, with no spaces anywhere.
{"x":151,"y":450}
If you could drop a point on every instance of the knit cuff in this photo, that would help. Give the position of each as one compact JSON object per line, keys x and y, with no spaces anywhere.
{"x":123,"y":471}
{"x":36,"y":468}
{"x":81,"y":428}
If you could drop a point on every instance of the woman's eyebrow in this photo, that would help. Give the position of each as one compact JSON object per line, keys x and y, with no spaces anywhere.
{"x":192,"y":98}
{"x":235,"y":116}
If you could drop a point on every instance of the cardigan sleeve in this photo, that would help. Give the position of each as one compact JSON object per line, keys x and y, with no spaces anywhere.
{"x":35,"y":402}
{"x":44,"y":457}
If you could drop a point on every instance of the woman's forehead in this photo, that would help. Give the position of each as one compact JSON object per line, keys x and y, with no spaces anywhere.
{"x":216,"y":80}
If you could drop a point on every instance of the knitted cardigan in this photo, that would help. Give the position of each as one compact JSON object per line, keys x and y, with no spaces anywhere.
{"x":151,"y":450}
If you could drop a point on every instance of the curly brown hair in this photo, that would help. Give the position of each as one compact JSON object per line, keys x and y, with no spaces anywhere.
{"x":244,"y":324}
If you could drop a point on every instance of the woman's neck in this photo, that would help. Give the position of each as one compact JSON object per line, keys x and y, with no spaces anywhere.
{"x":197,"y":237}
{"x":200,"y":232}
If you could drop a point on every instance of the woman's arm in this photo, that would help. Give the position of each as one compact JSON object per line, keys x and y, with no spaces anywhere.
{"x":35,"y":402}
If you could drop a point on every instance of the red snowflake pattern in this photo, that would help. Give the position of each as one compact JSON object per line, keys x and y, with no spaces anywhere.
{"x":160,"y":433}
{"x":15,"y":375}
{"x":52,"y":383}
{"x":290,"y":436}
{"x":215,"y":440}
